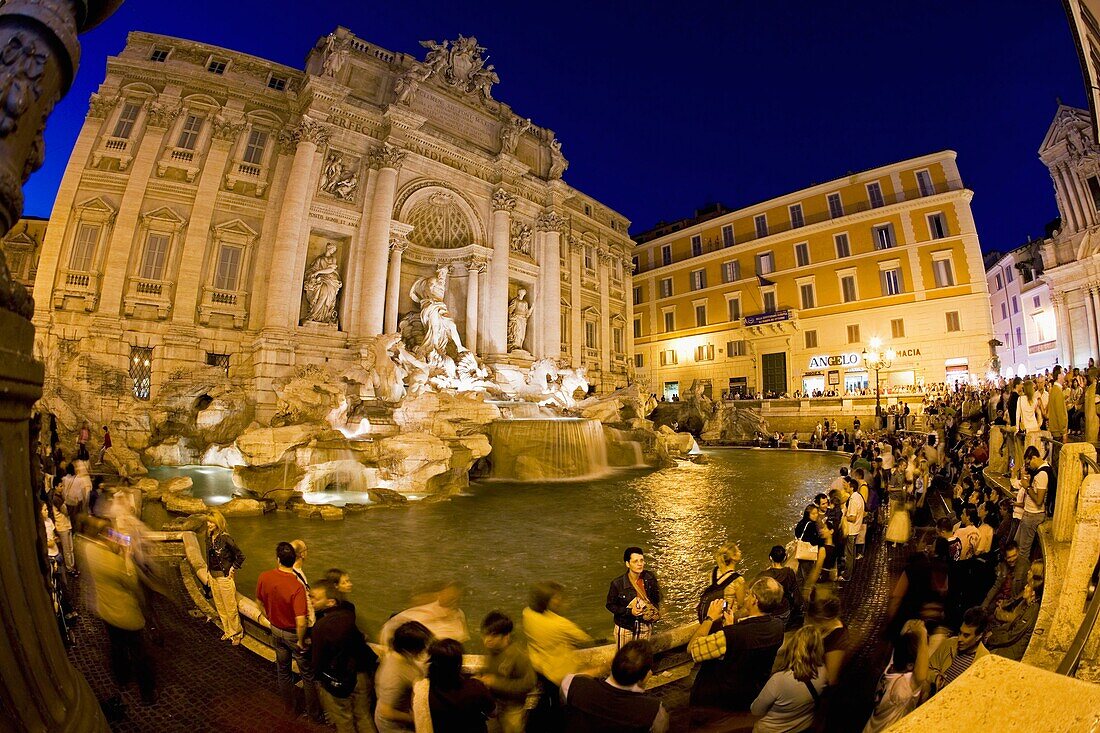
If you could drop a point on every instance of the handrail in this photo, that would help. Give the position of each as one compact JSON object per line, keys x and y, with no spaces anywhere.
{"x":1090,"y":465}
{"x":1072,"y":659}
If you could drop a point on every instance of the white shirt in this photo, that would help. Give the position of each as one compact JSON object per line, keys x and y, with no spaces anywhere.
{"x":1026,"y":419}
{"x":1038,"y":482}
{"x":854,"y":513}
{"x":969,"y":537}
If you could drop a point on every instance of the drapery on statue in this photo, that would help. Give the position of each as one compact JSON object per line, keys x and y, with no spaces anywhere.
{"x":321,"y":285}
{"x":519,"y":310}
{"x":334,"y":57}
{"x":510,"y":133}
{"x":439,"y":328}
{"x":558,"y":163}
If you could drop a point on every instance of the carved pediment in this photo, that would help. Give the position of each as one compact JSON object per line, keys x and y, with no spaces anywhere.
{"x":97,"y":205}
{"x":164,"y":214}
{"x":235,"y":229}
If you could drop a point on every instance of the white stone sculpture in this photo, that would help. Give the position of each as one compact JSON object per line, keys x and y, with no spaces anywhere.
{"x":387,"y":376}
{"x":460,"y":64}
{"x":519,"y":311}
{"x":322,"y":284}
{"x":440,"y":332}
{"x":334,"y":57}
{"x":520,"y":241}
{"x":406,"y":85}
{"x":563,"y":393}
{"x":511,"y":132}
{"x":340,"y":176}
{"x":558,"y":163}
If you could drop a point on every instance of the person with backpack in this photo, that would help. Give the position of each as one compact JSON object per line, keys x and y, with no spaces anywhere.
{"x":725,"y":582}
{"x":791,"y":611}
{"x":343,"y":662}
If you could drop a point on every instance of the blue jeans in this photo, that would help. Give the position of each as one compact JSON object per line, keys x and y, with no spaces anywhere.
{"x":286,"y":650}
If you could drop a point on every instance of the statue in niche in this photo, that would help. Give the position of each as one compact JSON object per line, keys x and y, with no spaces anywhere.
{"x":519,"y":311}
{"x":511,"y":132}
{"x":334,"y":57}
{"x":340,"y":177}
{"x":321,"y":285}
{"x":440,"y":333}
{"x":558,"y":163}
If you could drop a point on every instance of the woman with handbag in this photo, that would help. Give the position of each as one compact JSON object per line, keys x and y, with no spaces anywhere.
{"x":788,"y":701}
{"x":809,"y":548}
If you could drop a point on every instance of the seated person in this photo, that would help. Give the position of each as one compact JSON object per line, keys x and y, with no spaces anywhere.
{"x":1015,"y":620}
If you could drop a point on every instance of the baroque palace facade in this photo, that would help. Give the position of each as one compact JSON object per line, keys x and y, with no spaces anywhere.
{"x":226,"y":210}
{"x":784,"y":296}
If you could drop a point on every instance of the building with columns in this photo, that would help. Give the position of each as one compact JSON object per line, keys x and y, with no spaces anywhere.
{"x":1023,"y":313}
{"x":222,"y":209}
{"x":783,"y":296}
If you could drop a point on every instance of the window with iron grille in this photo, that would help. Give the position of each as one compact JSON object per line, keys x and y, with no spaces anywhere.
{"x":218,"y":360}
{"x":141,"y":371}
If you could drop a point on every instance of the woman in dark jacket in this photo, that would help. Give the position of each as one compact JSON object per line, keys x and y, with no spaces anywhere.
{"x":455,"y":704}
{"x":223,"y":560}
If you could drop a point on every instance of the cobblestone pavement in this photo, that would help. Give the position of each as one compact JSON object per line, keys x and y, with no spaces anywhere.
{"x":202,"y":684}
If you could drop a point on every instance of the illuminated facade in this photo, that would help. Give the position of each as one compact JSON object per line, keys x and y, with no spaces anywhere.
{"x":1022,"y":311}
{"x":783,"y":296}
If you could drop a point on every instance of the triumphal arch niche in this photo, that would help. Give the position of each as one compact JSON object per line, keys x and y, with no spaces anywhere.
{"x":224,"y":210}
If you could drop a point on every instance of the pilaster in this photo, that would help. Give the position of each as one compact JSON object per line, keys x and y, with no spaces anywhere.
{"x":373,"y":264}
{"x":496,"y":338}
{"x":551,"y":223}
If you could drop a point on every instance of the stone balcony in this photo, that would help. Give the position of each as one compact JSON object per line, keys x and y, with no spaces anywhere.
{"x":230,"y":303}
{"x":156,"y":294}
{"x":182,"y":159}
{"x":242,"y":174}
{"x":118,"y":148}
{"x":82,"y":286}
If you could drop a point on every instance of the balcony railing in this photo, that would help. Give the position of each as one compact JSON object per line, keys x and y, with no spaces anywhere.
{"x":77,"y":284}
{"x":145,"y":291}
{"x":220,"y":302}
{"x":251,"y":173}
{"x":183,"y":159}
{"x":118,"y":148}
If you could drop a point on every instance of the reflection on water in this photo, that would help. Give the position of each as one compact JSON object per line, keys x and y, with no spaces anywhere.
{"x":503,"y":537}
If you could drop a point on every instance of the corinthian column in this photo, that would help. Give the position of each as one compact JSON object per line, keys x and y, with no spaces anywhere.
{"x":576,"y":310}
{"x":605,"y":311}
{"x":39,"y":689}
{"x":474,"y":267}
{"x":1093,"y":315}
{"x":398,"y":245}
{"x":287,"y":263}
{"x":628,"y":296}
{"x":372,"y":315}
{"x":549,"y":306}
{"x":1065,"y":342}
{"x":496,"y":339}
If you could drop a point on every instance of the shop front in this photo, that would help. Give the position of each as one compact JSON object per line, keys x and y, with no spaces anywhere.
{"x":813,"y":384}
{"x":855,"y":380}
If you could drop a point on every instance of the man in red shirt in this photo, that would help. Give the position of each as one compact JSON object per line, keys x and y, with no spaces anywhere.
{"x":283,"y":600}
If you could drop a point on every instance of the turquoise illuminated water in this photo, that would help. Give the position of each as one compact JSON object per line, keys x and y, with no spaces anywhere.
{"x":501,"y":537}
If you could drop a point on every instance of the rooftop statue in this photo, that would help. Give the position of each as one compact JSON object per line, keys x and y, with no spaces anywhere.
{"x":459,"y":64}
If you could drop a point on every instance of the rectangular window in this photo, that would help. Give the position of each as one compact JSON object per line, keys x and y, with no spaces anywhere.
{"x":634,"y":264}
{"x":254,"y":150}
{"x":704,"y":352}
{"x":126,"y":119}
{"x":797,"y":220}
{"x":897,"y":328}
{"x":1004,"y":311}
{"x":891,"y":281}
{"x":670,"y":321}
{"x":937,"y":225}
{"x":637,"y":328}
{"x":731,"y":271}
{"x":189,"y":135}
{"x":700,"y":315}
{"x":154,"y":257}
{"x":218,"y":360}
{"x":848,"y":288}
{"x":696,"y":245}
{"x":1000,"y":284}
{"x":953,"y":321}
{"x":278,"y":83}
{"x":768,"y":296}
{"x":666,"y":254}
{"x":227,"y":271}
{"x":802,"y":254}
{"x":765,"y":263}
{"x":853,"y":333}
{"x":698,"y":279}
{"x":811,"y":339}
{"x":735,"y":348}
{"x":668,"y":357}
{"x":1008,"y":274}
{"x":874,"y":195}
{"x":727,"y":235}
{"x":587,"y":210}
{"x":141,"y":371}
{"x":943,"y":273}
{"x":665,"y":285}
{"x":836,"y":206}
{"x":761,"y":222}
{"x":843,"y":248}
{"x":160,"y":55}
{"x":637,"y":295}
{"x":1019,"y":336}
{"x":924,"y":183}
{"x":734,"y":306}
{"x":590,"y":334}
{"x":216,"y":66}
{"x":588,"y":259}
{"x":617,"y":340}
{"x":639,"y":361}
{"x":807,"y":293}
{"x":883,"y":236}
{"x":83,"y":257}
{"x":1015,"y":304}
{"x":1035,"y":301}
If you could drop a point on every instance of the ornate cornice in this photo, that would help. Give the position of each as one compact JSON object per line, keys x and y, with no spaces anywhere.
{"x":476,"y":263}
{"x":223,"y":128}
{"x":605,"y":255}
{"x":386,"y":156}
{"x":503,"y":201}
{"x":161,"y":114}
{"x":576,"y":243}
{"x":398,"y":243}
{"x":551,"y":221}
{"x":311,"y":131}
{"x":100,"y":105}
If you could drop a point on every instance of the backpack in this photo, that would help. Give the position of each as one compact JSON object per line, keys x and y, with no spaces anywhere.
{"x":713,"y":592}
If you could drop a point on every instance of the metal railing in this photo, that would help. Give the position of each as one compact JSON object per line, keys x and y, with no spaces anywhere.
{"x":1072,"y":659}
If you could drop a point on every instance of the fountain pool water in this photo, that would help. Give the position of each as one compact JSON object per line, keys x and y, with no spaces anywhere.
{"x":503,"y":536}
{"x":547,"y":449}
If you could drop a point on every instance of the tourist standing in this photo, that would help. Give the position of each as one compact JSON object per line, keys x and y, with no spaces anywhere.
{"x":282,"y":596}
{"x":1035,"y":493}
{"x":634,"y":599}
{"x":63,"y":525}
{"x":106,"y":444}
{"x":853,"y":546}
{"x":618,"y":703}
{"x":1057,"y":415}
{"x":551,"y":641}
{"x":899,"y":525}
{"x":791,"y":611}
{"x":82,"y":441}
{"x":725,"y":580}
{"x":301,"y":550}
{"x":809,"y":542}
{"x":902,"y":684}
{"x":342,"y":661}
{"x":399,"y":671}
{"x":445,"y":701}
{"x":1029,"y":418}
{"x":441,"y":616}
{"x":76,"y":487}
{"x":223,"y":560}
{"x":788,"y":701}
{"x":507,"y":673}
{"x":823,"y":613}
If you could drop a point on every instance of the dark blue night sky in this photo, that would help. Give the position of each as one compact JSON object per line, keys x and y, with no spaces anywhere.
{"x":664,"y":106}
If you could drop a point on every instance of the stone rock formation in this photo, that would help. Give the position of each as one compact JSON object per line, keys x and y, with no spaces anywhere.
{"x":730,"y":423}
{"x":124,"y":461}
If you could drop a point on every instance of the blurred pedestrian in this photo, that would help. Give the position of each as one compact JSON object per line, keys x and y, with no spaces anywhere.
{"x":507,"y":673}
{"x":446,"y":701}
{"x":343,"y":662}
{"x":441,"y":616}
{"x":399,"y":671}
{"x":551,"y":642}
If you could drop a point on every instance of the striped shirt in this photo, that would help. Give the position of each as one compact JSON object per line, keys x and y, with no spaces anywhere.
{"x":960,"y":664}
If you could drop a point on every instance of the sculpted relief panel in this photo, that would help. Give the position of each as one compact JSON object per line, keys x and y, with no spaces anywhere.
{"x":340,"y":175}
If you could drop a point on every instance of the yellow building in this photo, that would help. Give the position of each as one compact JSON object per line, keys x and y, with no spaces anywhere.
{"x":785,"y":295}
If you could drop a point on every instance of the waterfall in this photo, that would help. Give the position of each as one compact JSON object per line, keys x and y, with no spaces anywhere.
{"x":541,"y":449}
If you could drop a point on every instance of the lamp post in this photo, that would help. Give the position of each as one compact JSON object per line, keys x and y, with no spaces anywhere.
{"x":877,"y":358}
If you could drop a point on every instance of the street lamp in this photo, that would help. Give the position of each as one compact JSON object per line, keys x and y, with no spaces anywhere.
{"x":875,"y":357}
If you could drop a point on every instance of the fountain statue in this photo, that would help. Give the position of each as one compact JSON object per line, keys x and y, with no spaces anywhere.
{"x":321,"y":285}
{"x":519,"y":311}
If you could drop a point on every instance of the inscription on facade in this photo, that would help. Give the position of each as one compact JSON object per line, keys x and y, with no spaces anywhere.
{"x":456,"y":118}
